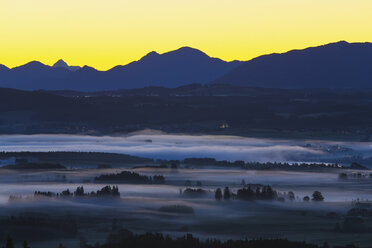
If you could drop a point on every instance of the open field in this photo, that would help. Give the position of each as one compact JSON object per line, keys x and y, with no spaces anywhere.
{"x":151,"y":207}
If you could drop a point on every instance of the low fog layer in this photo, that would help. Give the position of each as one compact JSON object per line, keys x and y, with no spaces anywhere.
{"x":301,"y":183}
{"x":166,"y":146}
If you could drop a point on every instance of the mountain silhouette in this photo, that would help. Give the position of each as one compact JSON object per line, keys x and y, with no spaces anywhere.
{"x":3,"y":68}
{"x":172,"y":69}
{"x":335,"y":65}
{"x":62,"y":64}
{"x":33,"y":75}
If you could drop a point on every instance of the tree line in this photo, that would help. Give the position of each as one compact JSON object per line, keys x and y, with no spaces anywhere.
{"x":251,"y":165}
{"x":125,"y":238}
{"x":254,"y":192}
{"x":130,"y":177}
{"x":79,"y":192}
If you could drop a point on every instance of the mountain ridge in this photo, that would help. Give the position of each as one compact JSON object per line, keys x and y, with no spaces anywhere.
{"x":334,"y":65}
{"x":171,"y":69}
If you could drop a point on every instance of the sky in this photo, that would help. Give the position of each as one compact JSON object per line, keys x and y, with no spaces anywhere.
{"x":105,"y":33}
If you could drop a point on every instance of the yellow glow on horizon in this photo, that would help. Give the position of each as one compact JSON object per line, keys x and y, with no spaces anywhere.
{"x":105,"y":33}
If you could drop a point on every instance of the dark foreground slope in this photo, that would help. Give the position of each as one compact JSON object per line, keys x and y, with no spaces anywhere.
{"x":125,"y":238}
{"x":336,"y":65}
{"x":256,"y":112}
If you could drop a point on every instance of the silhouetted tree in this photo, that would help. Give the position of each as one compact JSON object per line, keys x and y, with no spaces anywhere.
{"x":9,"y":243}
{"x":306,"y":199}
{"x":66,"y":193}
{"x":79,"y":191}
{"x":158,"y":179}
{"x":269,"y":193}
{"x":245,"y":194}
{"x":25,"y":244}
{"x":317,"y":196}
{"x":189,"y":192}
{"x":291,"y":195}
{"x":61,"y":245}
{"x":218,"y":194}
{"x":258,"y":193}
{"x":226,"y":193}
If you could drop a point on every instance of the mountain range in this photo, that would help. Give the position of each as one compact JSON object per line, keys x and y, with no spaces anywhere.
{"x":336,"y":65}
{"x":180,"y":67}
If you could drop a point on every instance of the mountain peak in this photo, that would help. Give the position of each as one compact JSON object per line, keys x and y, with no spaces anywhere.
{"x":150,"y":55}
{"x":334,"y":65}
{"x":86,"y":69}
{"x":184,"y":51}
{"x":341,"y":42}
{"x":33,"y":65}
{"x":61,"y":63}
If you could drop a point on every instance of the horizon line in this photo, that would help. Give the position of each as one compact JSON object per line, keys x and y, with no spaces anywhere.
{"x":153,"y":51}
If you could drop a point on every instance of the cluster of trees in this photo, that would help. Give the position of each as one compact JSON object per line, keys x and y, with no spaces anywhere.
{"x":288,"y":166}
{"x":79,"y":192}
{"x":248,"y":193}
{"x":226,"y":194}
{"x":52,"y":194}
{"x":266,"y":193}
{"x":358,"y":175}
{"x":259,"y":166}
{"x":130,"y":177}
{"x":163,"y":163}
{"x":190,"y":192}
{"x":317,"y":196}
{"x":251,"y":193}
{"x":10,"y":243}
{"x":107,"y":191}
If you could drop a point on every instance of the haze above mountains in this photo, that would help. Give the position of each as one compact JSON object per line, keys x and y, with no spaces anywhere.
{"x":336,"y":65}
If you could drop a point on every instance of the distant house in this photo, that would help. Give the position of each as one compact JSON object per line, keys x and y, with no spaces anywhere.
{"x":224,"y":126}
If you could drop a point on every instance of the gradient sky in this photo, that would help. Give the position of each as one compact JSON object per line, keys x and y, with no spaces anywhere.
{"x":104,"y":33}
